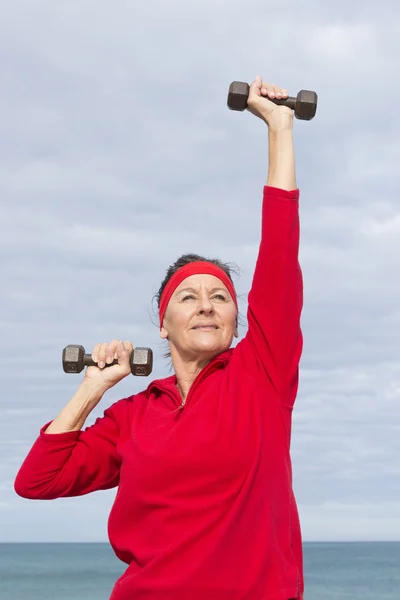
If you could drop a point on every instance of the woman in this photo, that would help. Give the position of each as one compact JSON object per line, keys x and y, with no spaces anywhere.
{"x":205,"y":508}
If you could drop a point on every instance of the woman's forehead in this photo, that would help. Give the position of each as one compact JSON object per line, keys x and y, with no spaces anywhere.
{"x":199,"y":281}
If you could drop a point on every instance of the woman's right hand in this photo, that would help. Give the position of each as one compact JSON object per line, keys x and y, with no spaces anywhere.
{"x":259,"y":104}
{"x":104,"y":354}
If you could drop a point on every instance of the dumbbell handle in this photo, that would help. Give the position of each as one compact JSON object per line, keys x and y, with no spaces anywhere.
{"x":89,"y":362}
{"x":289,"y":102}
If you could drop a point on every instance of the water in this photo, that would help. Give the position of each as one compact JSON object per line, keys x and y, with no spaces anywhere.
{"x":332,"y":571}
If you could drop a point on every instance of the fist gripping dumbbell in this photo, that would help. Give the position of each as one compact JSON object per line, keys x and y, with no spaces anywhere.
{"x":304,"y":106}
{"x":74,"y":360}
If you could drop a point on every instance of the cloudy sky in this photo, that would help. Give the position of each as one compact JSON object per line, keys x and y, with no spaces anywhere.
{"x":118,"y":154}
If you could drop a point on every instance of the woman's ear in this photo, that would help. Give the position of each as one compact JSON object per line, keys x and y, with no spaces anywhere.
{"x":236,"y":334}
{"x":163,"y":333}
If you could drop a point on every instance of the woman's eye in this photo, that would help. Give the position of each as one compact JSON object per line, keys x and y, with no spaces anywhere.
{"x":192,"y":297}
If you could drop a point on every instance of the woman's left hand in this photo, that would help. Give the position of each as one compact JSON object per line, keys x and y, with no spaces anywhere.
{"x":276,"y":117}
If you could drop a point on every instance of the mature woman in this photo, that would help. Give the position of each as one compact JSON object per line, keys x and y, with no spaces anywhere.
{"x":205,"y":508}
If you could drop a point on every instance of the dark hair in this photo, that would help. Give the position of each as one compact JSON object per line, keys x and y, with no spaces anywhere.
{"x":185,"y":259}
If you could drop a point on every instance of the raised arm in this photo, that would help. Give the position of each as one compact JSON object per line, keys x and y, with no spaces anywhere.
{"x":276,"y":296}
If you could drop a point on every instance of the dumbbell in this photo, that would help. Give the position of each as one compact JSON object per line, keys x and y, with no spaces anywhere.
{"x":74,"y":360}
{"x":304,"y":106}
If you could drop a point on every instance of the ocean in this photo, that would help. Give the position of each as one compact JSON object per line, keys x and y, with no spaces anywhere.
{"x":332,"y":571}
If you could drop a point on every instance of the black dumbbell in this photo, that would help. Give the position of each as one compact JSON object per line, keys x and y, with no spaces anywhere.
{"x":304,"y":106}
{"x":74,"y":360}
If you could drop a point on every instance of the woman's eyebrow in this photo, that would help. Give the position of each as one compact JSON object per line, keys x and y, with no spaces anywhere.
{"x":188,"y":289}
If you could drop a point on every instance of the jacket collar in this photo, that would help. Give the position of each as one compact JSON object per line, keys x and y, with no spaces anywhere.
{"x":218,"y":362}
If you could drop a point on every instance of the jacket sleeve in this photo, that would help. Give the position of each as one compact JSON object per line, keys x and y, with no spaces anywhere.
{"x":72,"y":463}
{"x":274,"y":340}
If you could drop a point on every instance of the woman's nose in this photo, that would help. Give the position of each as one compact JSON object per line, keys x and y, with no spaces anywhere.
{"x":205,"y":304}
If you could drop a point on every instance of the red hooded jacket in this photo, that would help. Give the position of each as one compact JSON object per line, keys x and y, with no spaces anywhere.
{"x":205,"y":508}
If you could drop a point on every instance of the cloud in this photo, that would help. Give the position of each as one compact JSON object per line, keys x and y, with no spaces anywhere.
{"x":118,"y":154}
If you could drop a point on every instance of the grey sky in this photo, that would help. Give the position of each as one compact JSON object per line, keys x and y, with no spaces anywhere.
{"x":118,"y":154}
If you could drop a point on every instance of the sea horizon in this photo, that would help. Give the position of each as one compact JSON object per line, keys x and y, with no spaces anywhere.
{"x":88,"y":570}
{"x":106,"y":542}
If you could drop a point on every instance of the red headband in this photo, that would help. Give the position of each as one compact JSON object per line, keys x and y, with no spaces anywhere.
{"x":193,"y":268}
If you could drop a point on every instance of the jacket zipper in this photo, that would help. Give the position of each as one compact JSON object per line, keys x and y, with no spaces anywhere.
{"x":206,"y":371}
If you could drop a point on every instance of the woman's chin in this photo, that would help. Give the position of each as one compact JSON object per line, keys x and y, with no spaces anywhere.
{"x":207,"y":346}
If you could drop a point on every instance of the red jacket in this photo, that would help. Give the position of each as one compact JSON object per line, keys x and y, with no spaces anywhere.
{"x":205,"y":508}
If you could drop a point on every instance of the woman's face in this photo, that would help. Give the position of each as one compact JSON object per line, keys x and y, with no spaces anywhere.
{"x":201,"y":318}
